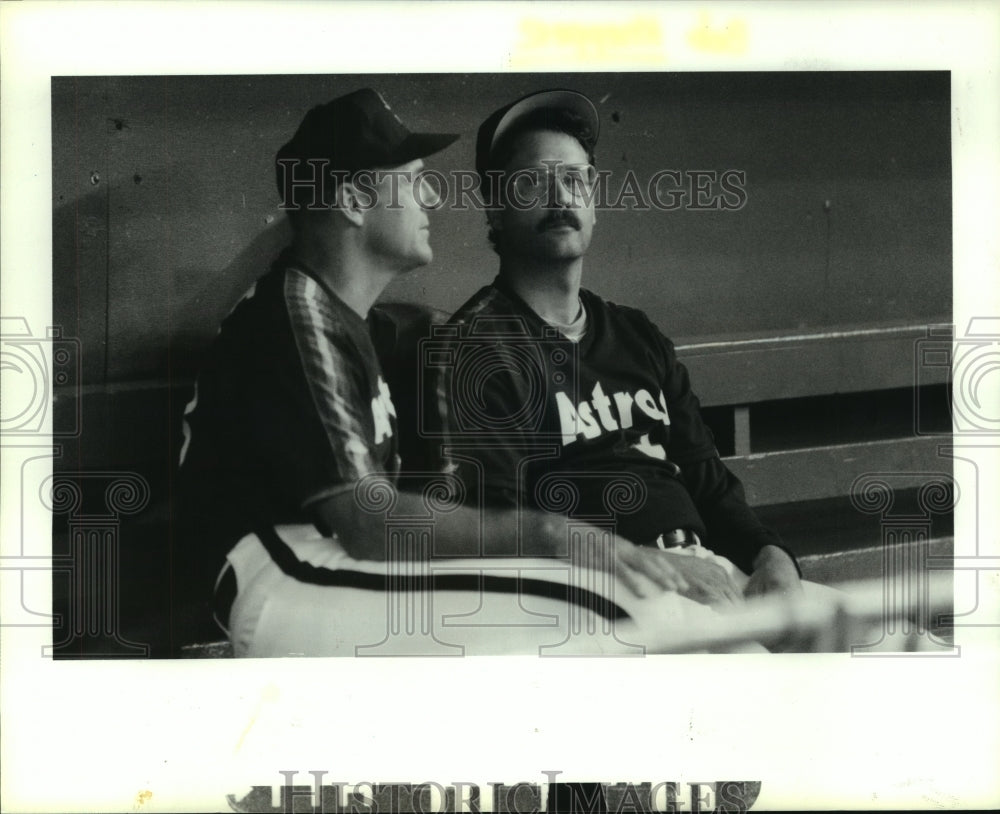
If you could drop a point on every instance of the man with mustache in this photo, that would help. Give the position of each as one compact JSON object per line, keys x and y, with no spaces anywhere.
{"x":562,"y":401}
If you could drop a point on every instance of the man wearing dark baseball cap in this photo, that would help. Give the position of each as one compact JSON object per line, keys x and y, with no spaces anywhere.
{"x":291,"y":414}
{"x":613,"y":396}
{"x":336,"y":140}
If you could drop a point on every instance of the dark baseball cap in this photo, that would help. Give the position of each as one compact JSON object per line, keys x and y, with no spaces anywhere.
{"x":501,"y":121}
{"x":354,"y":132}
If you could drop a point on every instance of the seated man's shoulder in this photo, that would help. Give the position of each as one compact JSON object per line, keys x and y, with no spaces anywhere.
{"x":288,"y":302}
{"x":623,"y":316}
{"x":488,"y":301}
{"x":266,"y":298}
{"x":494,"y":315}
{"x":627,"y":312}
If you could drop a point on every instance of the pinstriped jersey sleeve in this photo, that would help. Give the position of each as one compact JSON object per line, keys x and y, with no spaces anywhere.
{"x":318,"y":409}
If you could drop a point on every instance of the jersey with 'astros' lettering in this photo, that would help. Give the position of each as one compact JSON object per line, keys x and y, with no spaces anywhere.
{"x":606,"y":430}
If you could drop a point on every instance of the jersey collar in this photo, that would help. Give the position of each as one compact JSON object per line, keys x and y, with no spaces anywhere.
{"x":586,"y":297}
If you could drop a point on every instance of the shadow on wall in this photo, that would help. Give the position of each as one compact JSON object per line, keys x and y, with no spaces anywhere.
{"x":80,"y":279}
{"x":209,"y":296}
{"x":181,"y":325}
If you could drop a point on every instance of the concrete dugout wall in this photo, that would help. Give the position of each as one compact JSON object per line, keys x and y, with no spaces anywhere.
{"x":165,"y":206}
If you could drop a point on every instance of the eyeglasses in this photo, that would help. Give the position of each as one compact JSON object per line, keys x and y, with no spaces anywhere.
{"x":576,"y":179}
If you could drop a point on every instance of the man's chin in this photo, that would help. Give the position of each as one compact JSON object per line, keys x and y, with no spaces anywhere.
{"x":547,"y":245}
{"x":419,"y":261}
{"x":562,"y":246}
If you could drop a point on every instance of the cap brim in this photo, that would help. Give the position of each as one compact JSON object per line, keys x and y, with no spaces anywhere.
{"x":548,"y":99}
{"x":421,"y":145}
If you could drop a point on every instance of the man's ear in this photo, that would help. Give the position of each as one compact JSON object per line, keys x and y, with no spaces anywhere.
{"x":349,"y":201}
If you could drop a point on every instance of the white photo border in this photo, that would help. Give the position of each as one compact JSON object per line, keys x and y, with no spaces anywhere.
{"x":819,"y":732}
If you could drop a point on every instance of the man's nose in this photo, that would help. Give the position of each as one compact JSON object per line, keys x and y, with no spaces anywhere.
{"x":429,"y":196}
{"x":558,"y":194}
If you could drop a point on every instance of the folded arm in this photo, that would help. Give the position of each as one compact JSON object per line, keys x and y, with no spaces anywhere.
{"x":461,"y":531}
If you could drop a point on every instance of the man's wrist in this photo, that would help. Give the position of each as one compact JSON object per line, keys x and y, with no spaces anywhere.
{"x":771,"y":553}
{"x":544,"y":535}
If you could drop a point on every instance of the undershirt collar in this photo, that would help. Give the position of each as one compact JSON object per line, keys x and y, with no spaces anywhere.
{"x":574,"y":331}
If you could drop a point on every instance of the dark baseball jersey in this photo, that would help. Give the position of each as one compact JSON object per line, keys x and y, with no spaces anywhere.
{"x":289,"y":408}
{"x":607,"y":430}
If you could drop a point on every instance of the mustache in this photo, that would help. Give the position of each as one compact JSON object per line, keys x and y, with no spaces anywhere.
{"x":559,"y":217}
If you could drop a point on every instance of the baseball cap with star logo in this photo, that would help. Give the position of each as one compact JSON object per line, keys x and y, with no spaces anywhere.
{"x":357,"y":131}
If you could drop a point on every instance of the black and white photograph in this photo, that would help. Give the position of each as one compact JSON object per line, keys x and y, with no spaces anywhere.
{"x":672,"y":345}
{"x":580,"y":398}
